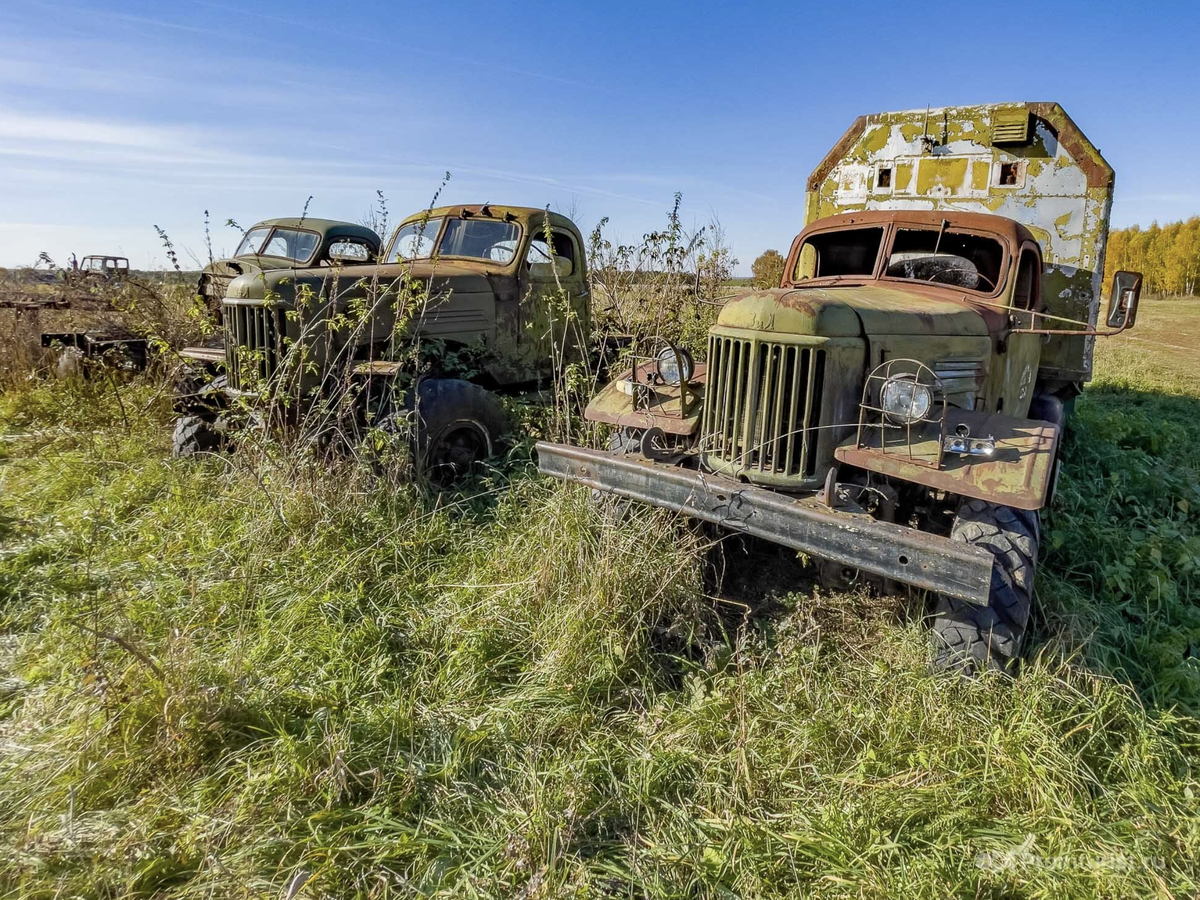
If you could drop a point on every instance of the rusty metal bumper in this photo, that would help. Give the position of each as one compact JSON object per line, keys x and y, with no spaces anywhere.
{"x":880,"y":548}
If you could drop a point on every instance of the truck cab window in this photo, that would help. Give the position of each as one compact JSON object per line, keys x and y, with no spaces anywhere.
{"x":251,"y":242}
{"x":415,"y":239}
{"x":946,"y":257}
{"x":290,"y":244}
{"x":1027,"y":274}
{"x":544,"y":259}
{"x":480,"y":239}
{"x":851,"y":251}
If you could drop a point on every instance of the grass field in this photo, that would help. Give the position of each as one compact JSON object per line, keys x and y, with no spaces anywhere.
{"x":257,"y":677}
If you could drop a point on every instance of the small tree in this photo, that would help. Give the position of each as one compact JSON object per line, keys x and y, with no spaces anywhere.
{"x":768,"y":269}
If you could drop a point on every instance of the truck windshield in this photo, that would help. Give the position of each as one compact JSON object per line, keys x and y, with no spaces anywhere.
{"x":960,"y":260}
{"x":288,"y":243}
{"x":251,"y":242}
{"x":291,"y":243}
{"x":850,"y":251}
{"x":415,"y":240}
{"x":488,"y":239}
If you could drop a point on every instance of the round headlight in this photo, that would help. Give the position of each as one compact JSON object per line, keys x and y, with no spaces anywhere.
{"x":674,"y":364}
{"x":905,"y":401}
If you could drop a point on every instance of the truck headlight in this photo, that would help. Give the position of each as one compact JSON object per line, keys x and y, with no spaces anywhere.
{"x":905,"y":400}
{"x":674,"y":364}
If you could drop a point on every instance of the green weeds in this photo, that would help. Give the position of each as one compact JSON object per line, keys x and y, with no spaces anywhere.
{"x":244,"y":674}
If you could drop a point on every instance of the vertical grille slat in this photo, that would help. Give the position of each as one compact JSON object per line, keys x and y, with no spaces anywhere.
{"x":754,"y":383}
{"x":777,"y":436}
{"x":762,"y":407}
{"x":808,"y":423}
{"x":726,"y":422}
{"x":815,"y":393}
{"x":253,"y":341}
{"x":740,"y":371}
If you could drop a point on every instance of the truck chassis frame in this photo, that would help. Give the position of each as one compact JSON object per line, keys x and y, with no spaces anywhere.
{"x":806,"y":524}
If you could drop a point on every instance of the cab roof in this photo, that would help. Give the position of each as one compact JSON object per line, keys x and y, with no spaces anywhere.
{"x":327,"y":228}
{"x":1011,"y":232}
{"x":496,"y":211}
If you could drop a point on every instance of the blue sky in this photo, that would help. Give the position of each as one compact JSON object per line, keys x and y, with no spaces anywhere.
{"x":119,"y":116}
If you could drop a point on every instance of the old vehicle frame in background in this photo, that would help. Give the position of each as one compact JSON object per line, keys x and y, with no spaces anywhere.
{"x":894,"y":408}
{"x":506,"y":285}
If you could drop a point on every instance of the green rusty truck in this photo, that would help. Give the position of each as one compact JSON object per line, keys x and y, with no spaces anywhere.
{"x":894,"y":408}
{"x":508,"y":283}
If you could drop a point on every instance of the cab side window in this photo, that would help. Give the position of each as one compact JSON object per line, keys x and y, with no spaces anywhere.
{"x":545,"y":258}
{"x":1025,"y":291}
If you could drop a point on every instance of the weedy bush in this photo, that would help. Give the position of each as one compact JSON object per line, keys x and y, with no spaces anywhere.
{"x":668,"y":286}
{"x":269,"y":673}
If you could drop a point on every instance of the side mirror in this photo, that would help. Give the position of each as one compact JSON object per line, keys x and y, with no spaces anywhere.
{"x":1122,"y":305}
{"x":348,"y":251}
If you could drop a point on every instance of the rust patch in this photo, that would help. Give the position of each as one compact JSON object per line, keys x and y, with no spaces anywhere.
{"x":1087,"y":157}
{"x":1018,"y":475}
{"x":836,"y":153}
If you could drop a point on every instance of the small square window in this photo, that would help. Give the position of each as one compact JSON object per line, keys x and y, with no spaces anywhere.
{"x":1010,"y":174}
{"x":883,"y":178}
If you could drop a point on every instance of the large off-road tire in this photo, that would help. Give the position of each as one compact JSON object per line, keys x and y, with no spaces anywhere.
{"x":194,"y":435}
{"x":458,"y":425}
{"x":972,"y":639}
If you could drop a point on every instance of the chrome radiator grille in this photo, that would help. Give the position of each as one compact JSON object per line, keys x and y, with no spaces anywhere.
{"x":254,"y":347}
{"x":762,"y":406}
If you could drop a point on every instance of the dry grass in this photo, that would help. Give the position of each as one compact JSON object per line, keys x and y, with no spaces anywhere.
{"x":232,"y":677}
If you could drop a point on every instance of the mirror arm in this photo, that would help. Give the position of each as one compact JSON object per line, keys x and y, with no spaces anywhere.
{"x":1086,"y":332}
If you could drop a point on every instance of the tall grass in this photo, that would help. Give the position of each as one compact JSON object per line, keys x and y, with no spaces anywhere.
{"x":221,"y":682}
{"x":266,"y":675}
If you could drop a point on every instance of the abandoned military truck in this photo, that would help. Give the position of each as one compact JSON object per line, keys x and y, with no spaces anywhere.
{"x":893,"y":409}
{"x":508,"y":283}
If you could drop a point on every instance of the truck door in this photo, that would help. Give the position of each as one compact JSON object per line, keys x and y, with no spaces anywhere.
{"x":1017,"y":368}
{"x":554,"y":305}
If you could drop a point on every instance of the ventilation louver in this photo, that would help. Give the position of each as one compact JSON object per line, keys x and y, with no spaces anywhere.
{"x":1010,"y":126}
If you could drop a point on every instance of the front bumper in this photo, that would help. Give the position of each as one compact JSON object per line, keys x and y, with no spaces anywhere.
{"x":881,"y":548}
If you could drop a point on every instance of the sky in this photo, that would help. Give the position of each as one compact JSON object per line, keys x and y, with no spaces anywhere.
{"x":117,"y":117}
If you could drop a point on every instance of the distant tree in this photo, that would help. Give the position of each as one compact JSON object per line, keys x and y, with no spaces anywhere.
{"x":1168,"y":256}
{"x":768,"y":269}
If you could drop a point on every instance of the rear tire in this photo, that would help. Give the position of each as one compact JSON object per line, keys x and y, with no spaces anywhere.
{"x":194,"y":435}
{"x":973,"y":639}
{"x":459,"y":424}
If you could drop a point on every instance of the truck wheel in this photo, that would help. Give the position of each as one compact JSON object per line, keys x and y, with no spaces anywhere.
{"x":194,"y":435}
{"x":972,"y":639}
{"x":625,"y":440}
{"x":459,"y":425}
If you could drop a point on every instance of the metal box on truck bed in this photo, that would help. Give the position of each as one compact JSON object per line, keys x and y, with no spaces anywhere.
{"x":1026,"y":161}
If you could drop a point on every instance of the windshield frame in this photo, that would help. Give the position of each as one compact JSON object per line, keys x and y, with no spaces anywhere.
{"x":879,"y":271}
{"x":1001,"y":276}
{"x":245,"y":236}
{"x":270,"y":234}
{"x":437,"y":243}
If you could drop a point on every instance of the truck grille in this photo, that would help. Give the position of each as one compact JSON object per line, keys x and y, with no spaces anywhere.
{"x":253,"y":342}
{"x":762,"y":406}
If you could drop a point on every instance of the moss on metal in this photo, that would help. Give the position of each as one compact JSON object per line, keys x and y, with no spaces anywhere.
{"x":1056,"y":183}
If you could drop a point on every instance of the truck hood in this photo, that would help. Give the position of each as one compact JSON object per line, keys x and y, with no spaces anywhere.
{"x":441,"y":275}
{"x":234,"y":266}
{"x":850,"y":311}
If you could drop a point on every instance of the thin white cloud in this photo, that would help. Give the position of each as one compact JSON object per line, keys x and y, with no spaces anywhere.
{"x":322,"y":27}
{"x":35,"y":130}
